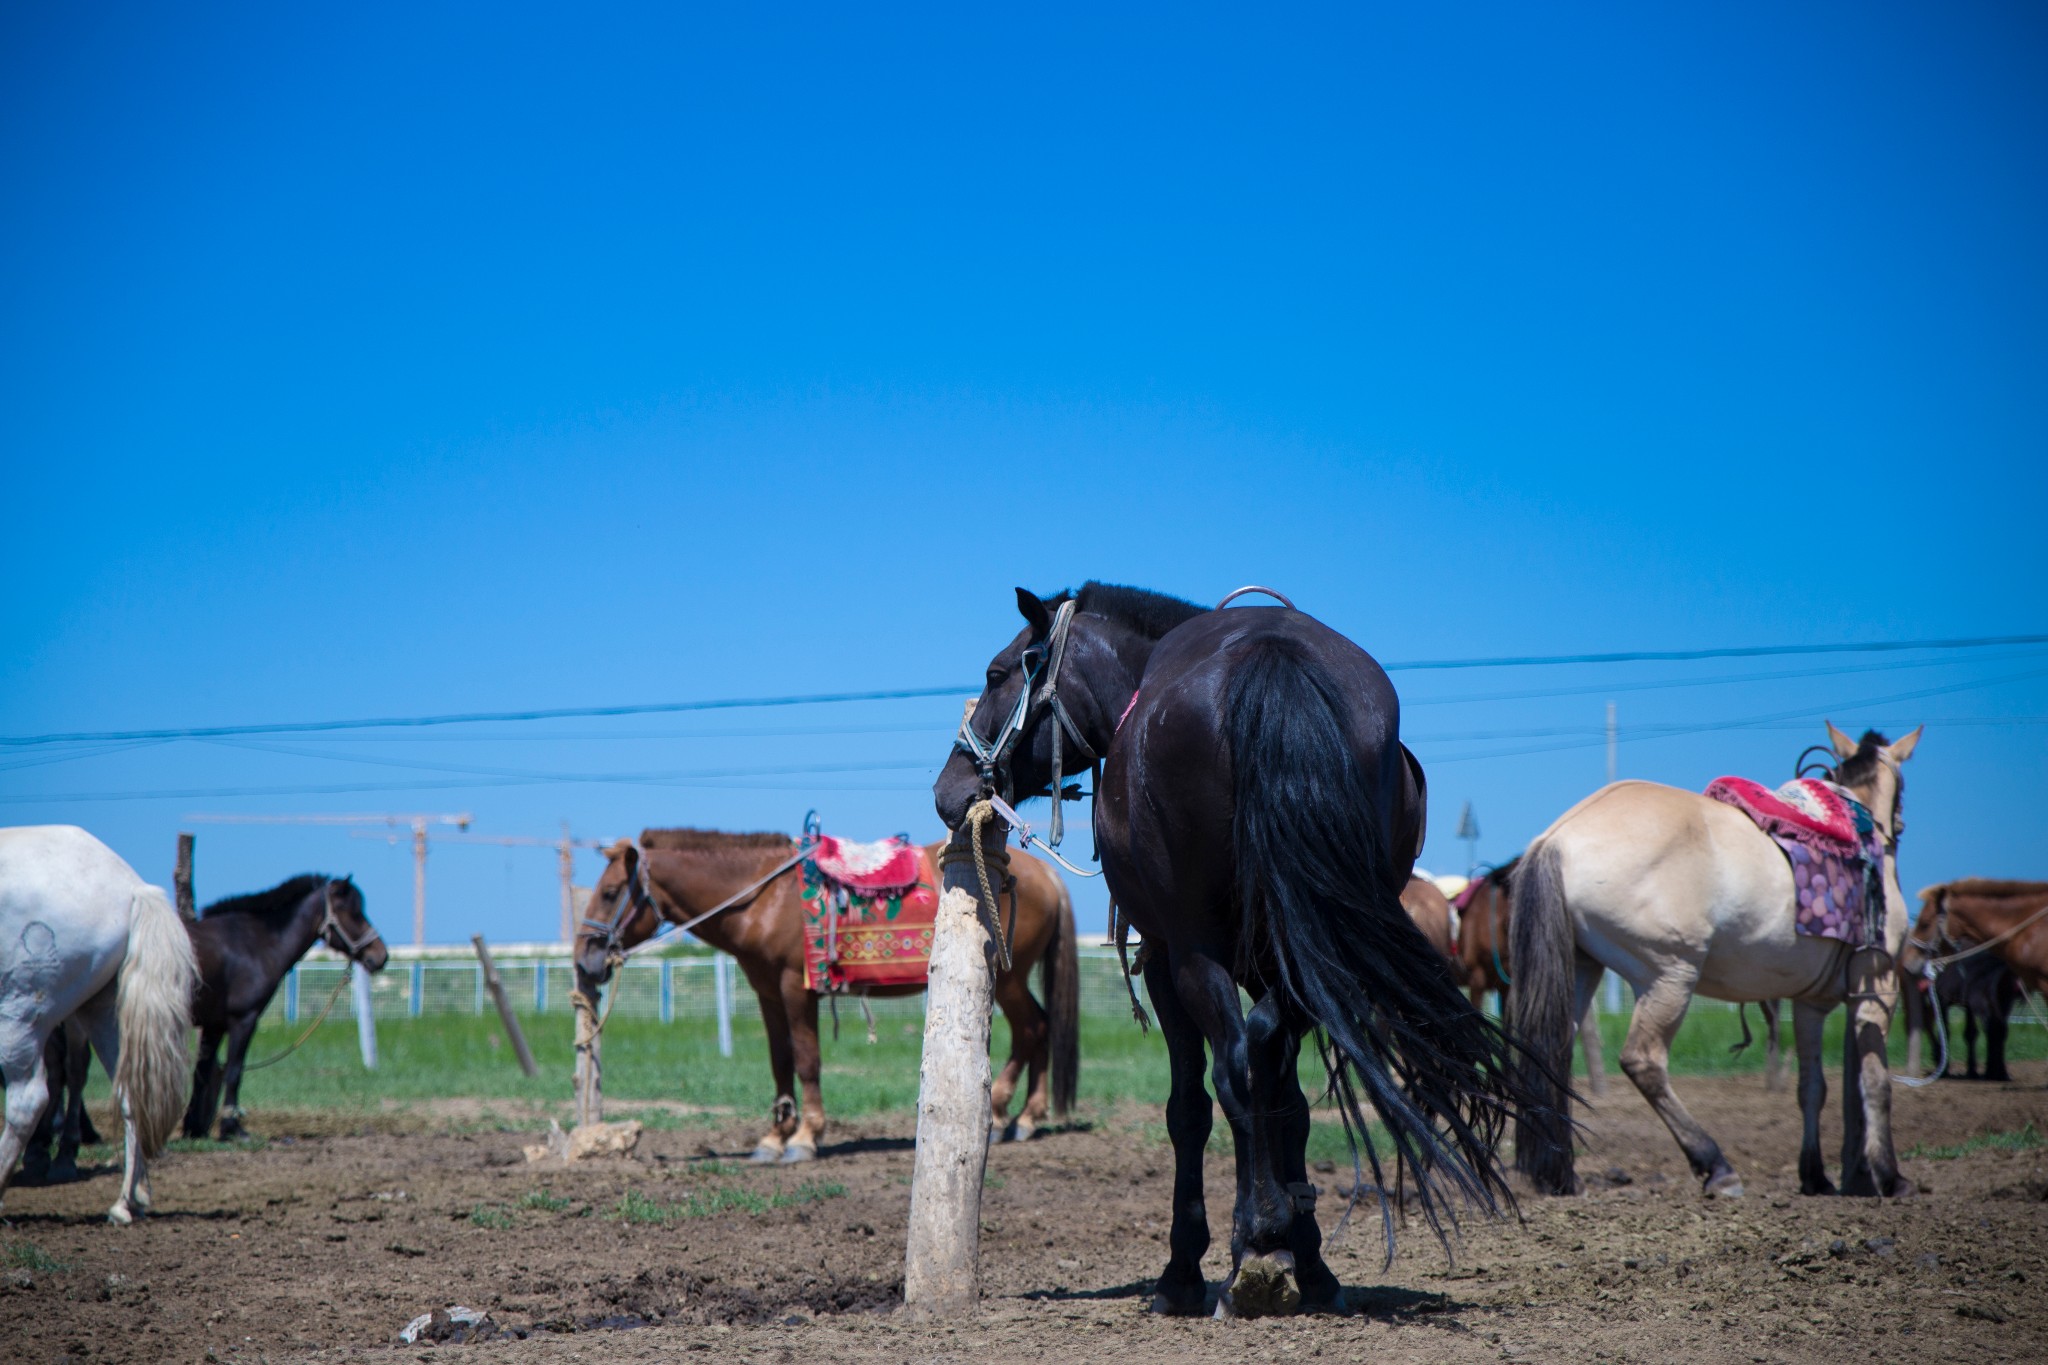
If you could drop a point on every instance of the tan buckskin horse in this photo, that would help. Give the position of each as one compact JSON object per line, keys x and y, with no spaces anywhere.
{"x":1685,"y":896}
{"x":675,"y":875}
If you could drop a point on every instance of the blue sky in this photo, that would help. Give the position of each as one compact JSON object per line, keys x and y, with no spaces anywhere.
{"x":377,"y":361}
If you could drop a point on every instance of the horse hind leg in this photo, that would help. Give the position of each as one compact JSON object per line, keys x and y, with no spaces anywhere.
{"x":71,"y":1132}
{"x":23,"y":1067}
{"x":1646,"y":1057}
{"x":1030,"y":1036}
{"x":102,"y":1026}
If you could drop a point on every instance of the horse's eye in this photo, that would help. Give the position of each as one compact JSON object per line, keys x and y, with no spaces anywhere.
{"x":997,"y":675}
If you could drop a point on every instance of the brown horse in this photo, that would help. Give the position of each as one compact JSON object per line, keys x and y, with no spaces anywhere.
{"x":678,"y":874}
{"x":1432,"y":914}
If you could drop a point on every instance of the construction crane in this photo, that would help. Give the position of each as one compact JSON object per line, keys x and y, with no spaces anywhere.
{"x":417,"y":823}
{"x":565,"y":849}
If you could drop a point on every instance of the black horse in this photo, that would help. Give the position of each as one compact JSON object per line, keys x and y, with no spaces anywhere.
{"x":245,"y":945}
{"x":1257,"y":817}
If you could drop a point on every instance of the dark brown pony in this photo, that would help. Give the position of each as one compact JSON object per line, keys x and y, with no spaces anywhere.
{"x":245,"y":945}
{"x":677,"y":874}
{"x":1483,"y":909}
{"x":1257,"y":818}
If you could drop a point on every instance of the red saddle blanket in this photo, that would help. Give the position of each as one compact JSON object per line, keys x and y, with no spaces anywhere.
{"x":871,"y":926}
{"x":884,"y":865}
{"x":1831,"y":842}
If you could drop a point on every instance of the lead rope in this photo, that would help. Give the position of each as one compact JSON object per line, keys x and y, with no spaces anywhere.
{"x":1940,"y":1032}
{"x":325,"y":1010}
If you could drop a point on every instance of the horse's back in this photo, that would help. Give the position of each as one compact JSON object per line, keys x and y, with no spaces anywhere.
{"x":1656,"y":876}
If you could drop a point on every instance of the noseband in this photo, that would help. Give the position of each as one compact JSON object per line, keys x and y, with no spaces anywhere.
{"x":338,"y":937}
{"x":991,"y":757}
{"x":637,"y":898}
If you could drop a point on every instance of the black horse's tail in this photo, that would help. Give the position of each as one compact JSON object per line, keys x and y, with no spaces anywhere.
{"x":1320,"y":912}
{"x":1543,"y":1021}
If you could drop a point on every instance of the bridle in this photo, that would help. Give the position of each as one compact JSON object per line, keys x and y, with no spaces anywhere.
{"x":337,"y":935}
{"x":991,"y":757}
{"x":634,"y":899}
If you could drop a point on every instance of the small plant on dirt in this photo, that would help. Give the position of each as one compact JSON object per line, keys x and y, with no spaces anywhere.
{"x":29,"y":1256}
{"x":545,"y":1201}
{"x":991,"y":1181}
{"x":715,"y":1168}
{"x":635,"y":1207}
{"x":491,"y":1216}
{"x":2019,"y":1140}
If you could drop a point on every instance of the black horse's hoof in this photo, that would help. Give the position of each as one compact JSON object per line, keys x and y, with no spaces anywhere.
{"x":35,"y":1167}
{"x":1263,"y":1287}
{"x":1180,"y":1297}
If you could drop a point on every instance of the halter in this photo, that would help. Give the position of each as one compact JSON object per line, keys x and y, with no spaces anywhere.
{"x":992,"y":756}
{"x":337,"y":936}
{"x":638,"y":897}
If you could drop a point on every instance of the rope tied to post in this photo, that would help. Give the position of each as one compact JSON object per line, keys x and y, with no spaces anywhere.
{"x":986,"y":906}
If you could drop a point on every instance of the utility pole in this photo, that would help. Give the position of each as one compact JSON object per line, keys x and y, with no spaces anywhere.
{"x":565,"y":851}
{"x":1610,"y":743}
{"x":1468,"y":830}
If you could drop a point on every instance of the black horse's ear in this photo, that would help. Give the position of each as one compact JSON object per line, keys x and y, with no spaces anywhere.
{"x":1033,"y":608}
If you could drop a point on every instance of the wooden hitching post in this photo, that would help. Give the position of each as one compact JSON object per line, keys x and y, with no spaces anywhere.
{"x":941,"y":1269}
{"x":181,"y":880}
{"x":589,"y":1067}
{"x":505,"y":1016}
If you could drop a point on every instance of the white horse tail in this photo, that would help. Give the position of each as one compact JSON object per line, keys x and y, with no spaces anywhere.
{"x":158,"y":979}
{"x":1541,"y":1018}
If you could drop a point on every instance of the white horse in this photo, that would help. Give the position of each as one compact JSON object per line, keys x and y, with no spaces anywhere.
{"x":81,"y":936}
{"x":1685,"y":896}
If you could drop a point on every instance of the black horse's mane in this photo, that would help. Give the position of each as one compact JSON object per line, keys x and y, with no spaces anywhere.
{"x":1150,"y":614}
{"x":276,"y":903}
{"x":1503,"y":874}
{"x":1861,"y":767}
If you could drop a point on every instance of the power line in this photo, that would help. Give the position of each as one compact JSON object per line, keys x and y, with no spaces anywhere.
{"x":958,"y":690}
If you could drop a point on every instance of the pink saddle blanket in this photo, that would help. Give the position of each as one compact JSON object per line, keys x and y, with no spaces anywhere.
{"x":1832,"y":845}
{"x":885,"y":865}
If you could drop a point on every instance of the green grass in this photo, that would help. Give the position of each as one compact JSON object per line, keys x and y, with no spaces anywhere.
{"x":544,"y":1201}
{"x":2025,"y":1139}
{"x":439,"y":1056}
{"x":494,"y":1216}
{"x":29,"y":1256}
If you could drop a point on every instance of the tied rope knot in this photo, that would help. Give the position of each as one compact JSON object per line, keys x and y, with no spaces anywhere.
{"x":986,"y":907}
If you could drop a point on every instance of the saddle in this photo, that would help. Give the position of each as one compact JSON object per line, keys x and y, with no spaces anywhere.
{"x":868,"y":914}
{"x":1831,"y":841}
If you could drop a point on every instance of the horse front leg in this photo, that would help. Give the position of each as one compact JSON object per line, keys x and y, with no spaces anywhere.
{"x":1869,"y":1164}
{"x":1808,"y":1023}
{"x":1189,"y":1118}
{"x":71,"y":1132}
{"x":767,"y":986}
{"x":807,"y":1054}
{"x":205,"y":1100}
{"x":240,"y":1033}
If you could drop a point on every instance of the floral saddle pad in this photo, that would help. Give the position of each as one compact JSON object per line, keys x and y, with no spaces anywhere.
{"x":868,"y":912}
{"x":1831,"y":841}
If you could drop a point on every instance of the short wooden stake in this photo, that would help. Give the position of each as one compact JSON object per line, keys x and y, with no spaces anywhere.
{"x":505,"y":1016}
{"x":942,"y":1260}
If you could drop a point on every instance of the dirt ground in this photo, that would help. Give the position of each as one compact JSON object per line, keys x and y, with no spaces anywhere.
{"x":321,"y":1246}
